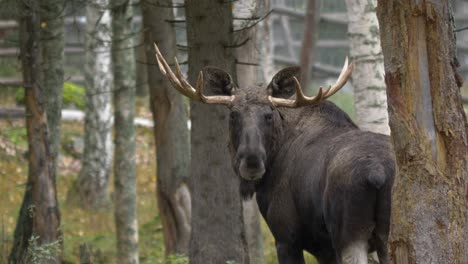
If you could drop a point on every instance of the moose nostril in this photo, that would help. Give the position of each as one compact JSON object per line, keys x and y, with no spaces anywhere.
{"x":253,"y":161}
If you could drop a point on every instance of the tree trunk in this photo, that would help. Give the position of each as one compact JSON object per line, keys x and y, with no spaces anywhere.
{"x":308,"y":42}
{"x":266,"y":71}
{"x":370,"y":96}
{"x":141,"y":66}
{"x":171,"y":132}
{"x":217,"y":221}
{"x":461,"y":11}
{"x":93,"y":180}
{"x":52,"y":48}
{"x":124,"y":103}
{"x":41,"y":50}
{"x":247,"y":57}
{"x":429,"y":132}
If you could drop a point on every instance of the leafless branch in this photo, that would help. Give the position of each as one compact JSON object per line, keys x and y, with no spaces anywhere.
{"x":246,"y":18}
{"x":155,"y":64}
{"x":247,"y":63}
{"x":255,"y":23}
{"x":173,"y":21}
{"x":460,"y":29}
{"x":237,"y":45}
{"x":182,"y":47}
{"x":164,"y":5}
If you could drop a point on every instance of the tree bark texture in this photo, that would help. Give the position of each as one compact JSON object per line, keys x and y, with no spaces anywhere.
{"x":141,"y":71}
{"x":124,"y":138}
{"x":308,"y":42}
{"x":171,"y":132}
{"x":248,"y":59}
{"x":217,"y":222}
{"x":39,"y":214}
{"x":93,"y":180}
{"x":370,"y":96}
{"x":264,"y":40}
{"x":52,"y":49}
{"x":461,"y":11}
{"x":429,"y":132}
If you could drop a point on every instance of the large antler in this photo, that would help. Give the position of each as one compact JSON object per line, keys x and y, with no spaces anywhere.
{"x":302,"y":99}
{"x":181,"y":84}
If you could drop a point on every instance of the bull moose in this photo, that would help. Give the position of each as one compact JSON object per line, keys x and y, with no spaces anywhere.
{"x":321,"y":184}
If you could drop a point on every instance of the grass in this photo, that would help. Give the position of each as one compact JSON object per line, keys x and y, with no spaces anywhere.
{"x":96,"y":229}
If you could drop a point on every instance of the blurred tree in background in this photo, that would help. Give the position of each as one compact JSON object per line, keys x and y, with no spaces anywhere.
{"x":41,"y":47}
{"x":170,"y":114}
{"x":93,"y":181}
{"x":123,"y":66}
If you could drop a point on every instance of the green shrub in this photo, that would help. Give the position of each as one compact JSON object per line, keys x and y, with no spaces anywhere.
{"x":73,"y":96}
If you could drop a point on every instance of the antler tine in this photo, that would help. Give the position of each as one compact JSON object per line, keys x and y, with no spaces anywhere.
{"x":302,"y":100}
{"x":342,"y":79}
{"x":199,"y":87}
{"x":188,"y":88}
{"x":158,"y":53}
{"x":180,"y":83}
{"x":166,"y":70}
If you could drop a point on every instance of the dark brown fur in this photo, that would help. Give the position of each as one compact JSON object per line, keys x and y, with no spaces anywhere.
{"x":321,"y":183}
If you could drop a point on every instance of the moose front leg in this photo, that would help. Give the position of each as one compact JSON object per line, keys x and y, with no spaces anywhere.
{"x":288,"y":254}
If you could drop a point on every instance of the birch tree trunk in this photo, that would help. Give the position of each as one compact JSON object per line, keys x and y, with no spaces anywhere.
{"x":93,"y":180}
{"x":264,"y":40}
{"x":368,"y":82}
{"x":171,"y":132}
{"x":124,"y":103}
{"x":429,"y":132}
{"x":247,"y":57}
{"x":217,"y":222}
{"x":41,"y":45}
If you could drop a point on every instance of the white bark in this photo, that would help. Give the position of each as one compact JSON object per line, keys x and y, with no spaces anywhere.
{"x":93,"y":180}
{"x":264,"y":44}
{"x":368,"y":77}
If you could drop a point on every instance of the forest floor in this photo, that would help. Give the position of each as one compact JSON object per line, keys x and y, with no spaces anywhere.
{"x":96,"y":229}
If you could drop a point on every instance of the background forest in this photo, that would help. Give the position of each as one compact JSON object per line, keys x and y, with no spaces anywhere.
{"x":119,"y":185}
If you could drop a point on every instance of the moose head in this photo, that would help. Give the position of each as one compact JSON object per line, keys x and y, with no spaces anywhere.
{"x":255,"y":121}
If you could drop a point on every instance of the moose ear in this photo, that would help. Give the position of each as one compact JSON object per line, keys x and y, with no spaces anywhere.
{"x":217,"y":81}
{"x":282,"y":84}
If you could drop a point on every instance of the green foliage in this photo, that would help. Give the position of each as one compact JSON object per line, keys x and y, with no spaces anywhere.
{"x":16,"y":135}
{"x":42,"y":254}
{"x":177,"y":259}
{"x":73,"y":95}
{"x":9,"y":67}
{"x":345,"y":101}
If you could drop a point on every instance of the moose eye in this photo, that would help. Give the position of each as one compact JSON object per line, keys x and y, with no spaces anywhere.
{"x":268,"y":117}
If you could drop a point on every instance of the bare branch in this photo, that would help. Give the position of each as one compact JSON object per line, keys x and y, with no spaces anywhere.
{"x":460,"y":29}
{"x":247,"y":63}
{"x":163,"y":5}
{"x":237,"y":45}
{"x":255,"y":23}
{"x":175,"y":21}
